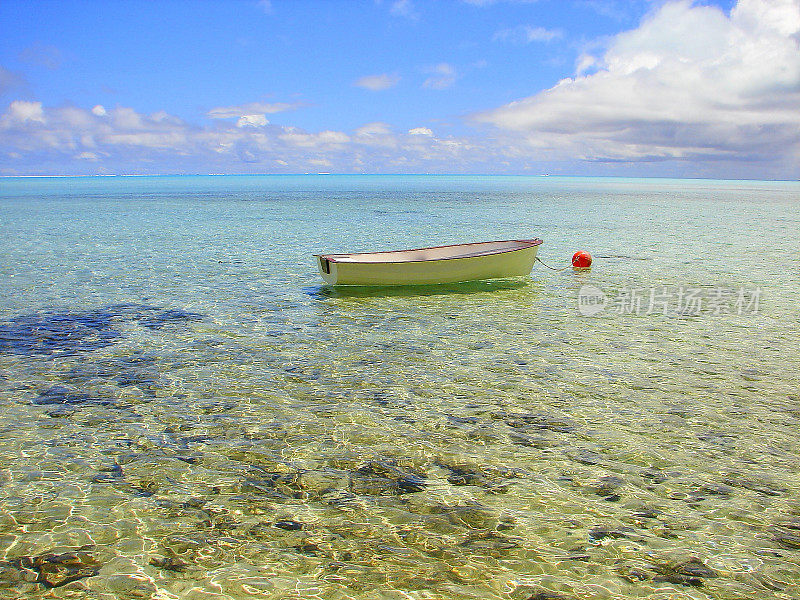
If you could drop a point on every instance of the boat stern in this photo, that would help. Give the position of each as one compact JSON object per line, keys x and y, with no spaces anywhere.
{"x":327,"y":268}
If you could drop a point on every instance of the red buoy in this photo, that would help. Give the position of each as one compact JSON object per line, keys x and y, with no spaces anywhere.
{"x":581,"y":260}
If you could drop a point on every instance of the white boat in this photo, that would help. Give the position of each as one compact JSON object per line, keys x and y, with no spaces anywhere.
{"x":427,"y":266}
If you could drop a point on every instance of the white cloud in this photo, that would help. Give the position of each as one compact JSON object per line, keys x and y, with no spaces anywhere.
{"x":320,"y":162}
{"x":373,"y":129}
{"x":378,"y":83}
{"x":71,"y":140}
{"x":253,"y":108}
{"x":163,"y":140}
{"x":689,"y":82}
{"x":128,"y":119}
{"x":442,"y":76}
{"x":781,"y":16}
{"x":375,"y":135}
{"x":584,"y":63}
{"x":21,"y":111}
{"x":315,"y":140}
{"x":74,"y":117}
{"x":526,"y":34}
{"x":69,"y":130}
{"x":252,"y":121}
{"x":99,"y":110}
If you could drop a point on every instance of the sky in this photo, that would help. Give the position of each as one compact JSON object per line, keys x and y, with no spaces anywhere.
{"x":524,"y":87}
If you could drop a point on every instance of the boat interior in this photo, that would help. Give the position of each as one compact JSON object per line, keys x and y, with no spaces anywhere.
{"x":434,"y":253}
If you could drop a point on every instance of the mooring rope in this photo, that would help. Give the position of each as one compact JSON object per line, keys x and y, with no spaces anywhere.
{"x":552,"y":268}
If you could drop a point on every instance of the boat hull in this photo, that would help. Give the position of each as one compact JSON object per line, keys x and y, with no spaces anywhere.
{"x":513,"y":262}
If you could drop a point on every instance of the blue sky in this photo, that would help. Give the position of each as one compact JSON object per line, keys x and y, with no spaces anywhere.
{"x":583,"y":87}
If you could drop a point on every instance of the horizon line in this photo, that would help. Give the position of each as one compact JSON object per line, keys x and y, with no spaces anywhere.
{"x":527,"y":175}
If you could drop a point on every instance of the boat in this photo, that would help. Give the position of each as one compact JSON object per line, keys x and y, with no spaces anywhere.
{"x":434,"y":265}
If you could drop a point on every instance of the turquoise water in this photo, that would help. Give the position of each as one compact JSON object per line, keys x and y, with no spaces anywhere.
{"x":188,"y":413}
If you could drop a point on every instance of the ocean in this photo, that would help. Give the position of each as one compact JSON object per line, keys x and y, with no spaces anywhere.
{"x":186,"y":412}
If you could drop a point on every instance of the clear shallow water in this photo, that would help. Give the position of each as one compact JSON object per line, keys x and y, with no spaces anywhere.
{"x":187,"y":413}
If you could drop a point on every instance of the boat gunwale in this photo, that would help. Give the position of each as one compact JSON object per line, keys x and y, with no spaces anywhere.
{"x":531,"y":243}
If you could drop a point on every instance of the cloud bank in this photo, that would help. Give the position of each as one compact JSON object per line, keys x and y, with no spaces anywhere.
{"x":35,"y":139}
{"x":690,"y":83}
